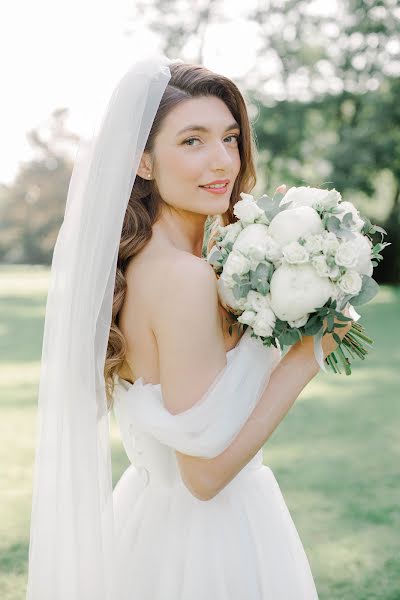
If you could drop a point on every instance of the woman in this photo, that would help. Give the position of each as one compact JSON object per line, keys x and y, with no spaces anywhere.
{"x":169,"y":333}
{"x":196,"y":515}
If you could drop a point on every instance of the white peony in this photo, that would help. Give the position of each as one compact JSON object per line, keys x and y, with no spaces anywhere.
{"x":227,"y":297}
{"x":235,"y":263}
{"x":247,"y":210}
{"x":256,"y":301}
{"x":247,"y":317}
{"x":252,"y":241}
{"x":330,"y":243}
{"x":323,"y":269}
{"x":309,"y":196}
{"x":350,"y":282}
{"x":264,"y":322}
{"x":297,"y":290}
{"x":294,"y":253}
{"x":346,"y":255}
{"x":314,"y":243}
{"x":299,"y":322}
{"x":293,"y":223}
{"x":346,"y":207}
{"x":230,"y":233}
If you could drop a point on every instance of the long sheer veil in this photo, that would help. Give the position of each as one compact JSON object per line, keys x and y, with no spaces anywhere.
{"x":72,"y":533}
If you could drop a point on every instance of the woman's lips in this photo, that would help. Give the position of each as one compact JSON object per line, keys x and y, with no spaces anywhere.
{"x":220,"y":190}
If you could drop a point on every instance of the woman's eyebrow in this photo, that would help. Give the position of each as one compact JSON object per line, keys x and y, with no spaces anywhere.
{"x":202,"y":128}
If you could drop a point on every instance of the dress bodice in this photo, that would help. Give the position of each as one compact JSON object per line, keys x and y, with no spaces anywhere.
{"x":151,"y":434}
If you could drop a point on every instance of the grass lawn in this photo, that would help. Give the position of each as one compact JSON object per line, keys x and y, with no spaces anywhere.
{"x":336,"y":454}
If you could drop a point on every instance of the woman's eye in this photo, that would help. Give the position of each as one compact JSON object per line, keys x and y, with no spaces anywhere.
{"x":193,"y":138}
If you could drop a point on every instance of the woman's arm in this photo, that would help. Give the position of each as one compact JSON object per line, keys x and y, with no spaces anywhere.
{"x":207,"y":477}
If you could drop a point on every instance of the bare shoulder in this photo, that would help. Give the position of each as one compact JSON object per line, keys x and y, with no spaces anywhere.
{"x":179,"y":274}
{"x":187,"y":327}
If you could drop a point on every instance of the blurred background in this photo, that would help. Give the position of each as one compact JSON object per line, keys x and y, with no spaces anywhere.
{"x":321,"y":80}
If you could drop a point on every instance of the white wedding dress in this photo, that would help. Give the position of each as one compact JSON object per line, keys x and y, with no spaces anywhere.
{"x":240,"y":545}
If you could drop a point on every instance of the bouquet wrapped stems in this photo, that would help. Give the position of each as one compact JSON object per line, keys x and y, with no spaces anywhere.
{"x":354,"y":343}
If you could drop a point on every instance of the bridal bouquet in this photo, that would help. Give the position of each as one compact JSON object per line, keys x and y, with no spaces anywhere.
{"x":293,"y":262}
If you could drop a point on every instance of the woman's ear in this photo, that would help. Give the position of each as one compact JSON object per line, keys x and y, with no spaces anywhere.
{"x":145,"y":168}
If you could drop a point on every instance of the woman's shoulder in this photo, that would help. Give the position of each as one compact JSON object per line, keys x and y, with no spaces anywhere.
{"x":158,"y":267}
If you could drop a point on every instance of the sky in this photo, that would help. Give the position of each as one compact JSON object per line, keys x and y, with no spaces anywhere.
{"x":56,"y":54}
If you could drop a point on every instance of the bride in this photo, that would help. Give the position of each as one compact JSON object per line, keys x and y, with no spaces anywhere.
{"x":133,"y":324}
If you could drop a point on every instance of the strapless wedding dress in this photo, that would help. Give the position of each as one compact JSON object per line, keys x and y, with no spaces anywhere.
{"x":240,"y":545}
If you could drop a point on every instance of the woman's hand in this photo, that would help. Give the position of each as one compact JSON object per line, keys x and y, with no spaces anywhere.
{"x":328,"y":342}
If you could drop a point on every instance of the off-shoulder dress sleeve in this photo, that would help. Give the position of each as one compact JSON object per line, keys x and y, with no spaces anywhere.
{"x":208,"y":427}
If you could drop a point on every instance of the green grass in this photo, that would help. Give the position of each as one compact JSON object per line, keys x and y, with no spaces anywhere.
{"x":335,"y":455}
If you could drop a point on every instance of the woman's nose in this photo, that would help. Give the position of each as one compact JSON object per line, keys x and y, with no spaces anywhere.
{"x":221,"y":156}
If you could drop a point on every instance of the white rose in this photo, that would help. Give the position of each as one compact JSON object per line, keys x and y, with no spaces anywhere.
{"x":247,"y":317}
{"x":252,"y":241}
{"x":330,"y":243}
{"x":297,"y":290}
{"x":235,"y":263}
{"x":264,"y":322}
{"x":227,"y":297}
{"x":230,"y":233}
{"x":256,"y":301}
{"x":330,"y":200}
{"x":346,"y":207}
{"x":338,"y":295}
{"x":313,"y":243}
{"x":323,"y":269}
{"x":295,"y":253}
{"x":350,"y":282}
{"x":299,"y":322}
{"x":273,"y":251}
{"x":309,"y":196}
{"x":363,"y":244}
{"x":346,"y":255}
{"x":247,"y":210}
{"x":293,"y":223}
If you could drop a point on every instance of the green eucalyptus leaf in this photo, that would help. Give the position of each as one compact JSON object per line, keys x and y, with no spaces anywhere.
{"x":369,"y":289}
{"x":236,"y":291}
{"x":269,"y":205}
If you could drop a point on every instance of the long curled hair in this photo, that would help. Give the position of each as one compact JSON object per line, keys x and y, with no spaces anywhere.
{"x":144,"y":206}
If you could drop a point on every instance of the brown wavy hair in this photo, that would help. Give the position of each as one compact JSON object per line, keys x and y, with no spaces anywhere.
{"x":144,"y":206}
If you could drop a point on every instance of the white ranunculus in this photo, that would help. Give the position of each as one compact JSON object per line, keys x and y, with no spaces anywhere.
{"x":264,"y":322}
{"x":230,"y":233}
{"x":235,"y":263}
{"x":350,"y":282}
{"x":247,"y":317}
{"x":299,"y":322}
{"x":309,"y":196}
{"x":297,"y":290}
{"x":295,"y":253}
{"x":346,"y":255}
{"x":293,"y":223}
{"x":346,"y":207}
{"x":313,"y":243}
{"x":256,"y":301}
{"x":227,"y":298}
{"x":252,"y":241}
{"x":247,"y":209}
{"x":330,"y":243}
{"x":363,"y":265}
{"x":323,"y":269}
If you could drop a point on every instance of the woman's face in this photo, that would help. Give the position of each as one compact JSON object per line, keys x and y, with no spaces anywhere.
{"x":186,"y":160}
